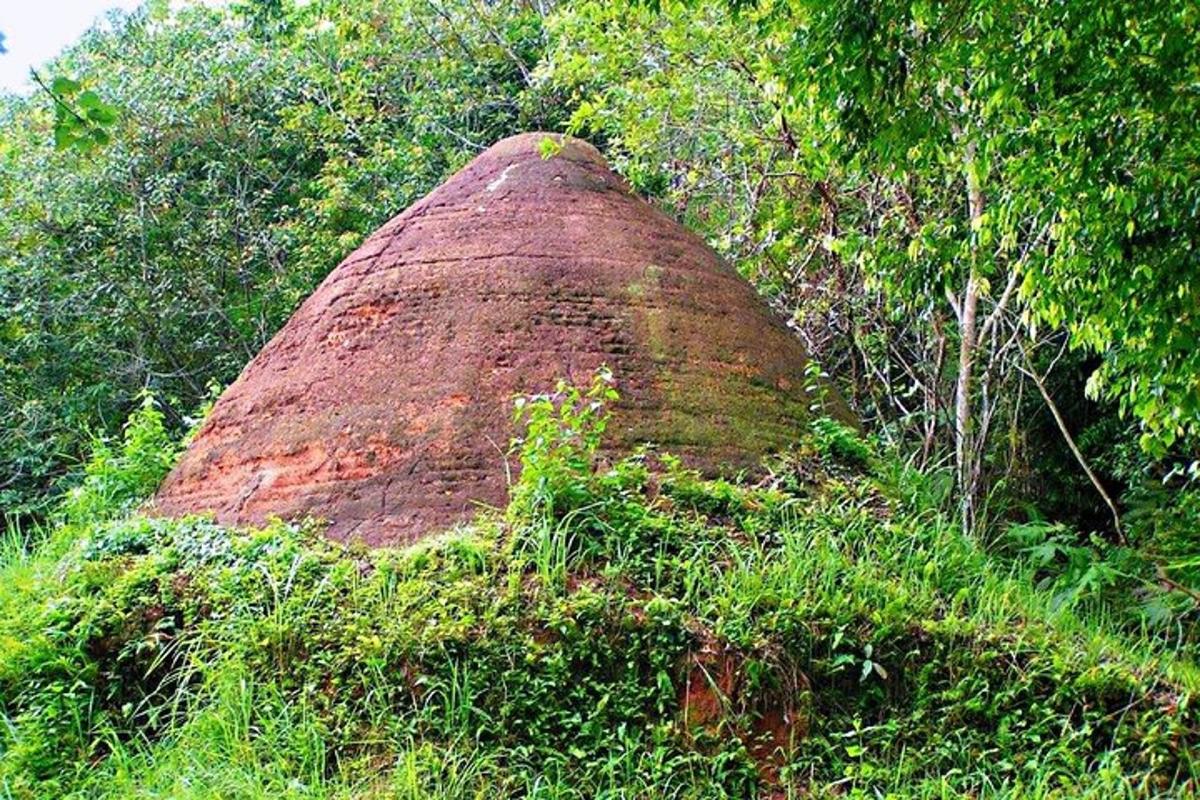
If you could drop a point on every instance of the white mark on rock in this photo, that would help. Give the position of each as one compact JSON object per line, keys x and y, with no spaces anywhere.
{"x":494,"y":185}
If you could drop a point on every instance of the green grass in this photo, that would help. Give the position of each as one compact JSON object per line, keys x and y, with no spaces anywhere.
{"x":839,"y":636}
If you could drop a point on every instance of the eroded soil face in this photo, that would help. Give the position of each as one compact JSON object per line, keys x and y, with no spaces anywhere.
{"x":385,"y":403}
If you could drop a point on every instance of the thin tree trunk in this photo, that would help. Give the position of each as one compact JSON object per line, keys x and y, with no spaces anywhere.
{"x":963,"y":449}
{"x":967,"y":306}
{"x":932,"y":391}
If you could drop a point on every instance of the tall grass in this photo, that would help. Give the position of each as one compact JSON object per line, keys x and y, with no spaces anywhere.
{"x":549,"y":654}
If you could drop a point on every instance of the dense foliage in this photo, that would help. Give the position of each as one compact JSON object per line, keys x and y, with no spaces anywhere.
{"x":622,"y":632}
{"x":955,"y":205}
{"x":943,"y":196}
{"x":980,"y":217}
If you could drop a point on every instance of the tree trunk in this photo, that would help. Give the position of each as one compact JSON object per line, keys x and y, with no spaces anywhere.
{"x":965,"y":450}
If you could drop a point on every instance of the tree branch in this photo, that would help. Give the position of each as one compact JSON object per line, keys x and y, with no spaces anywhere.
{"x":1070,"y":440}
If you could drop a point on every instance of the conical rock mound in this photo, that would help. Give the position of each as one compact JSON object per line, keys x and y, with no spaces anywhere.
{"x":384,"y":404}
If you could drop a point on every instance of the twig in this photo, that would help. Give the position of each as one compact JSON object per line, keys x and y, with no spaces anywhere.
{"x":1161,"y":573}
{"x":1070,"y":440}
{"x":58,"y":101}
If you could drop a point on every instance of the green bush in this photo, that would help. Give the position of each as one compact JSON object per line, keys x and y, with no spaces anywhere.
{"x":623,"y":632}
{"x":120,"y":475}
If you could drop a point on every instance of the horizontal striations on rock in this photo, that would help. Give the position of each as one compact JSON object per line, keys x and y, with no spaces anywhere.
{"x":384,"y":404}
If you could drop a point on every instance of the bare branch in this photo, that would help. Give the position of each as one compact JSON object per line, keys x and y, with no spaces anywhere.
{"x":1070,"y":440}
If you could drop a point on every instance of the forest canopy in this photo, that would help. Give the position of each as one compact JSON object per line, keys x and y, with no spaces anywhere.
{"x":981,"y":219}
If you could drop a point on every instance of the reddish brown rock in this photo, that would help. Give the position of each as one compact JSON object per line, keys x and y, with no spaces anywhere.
{"x":716,"y":697}
{"x":384,"y":404}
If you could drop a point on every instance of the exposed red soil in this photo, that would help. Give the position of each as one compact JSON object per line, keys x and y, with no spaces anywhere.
{"x":385,"y":403}
{"x":716,"y":694}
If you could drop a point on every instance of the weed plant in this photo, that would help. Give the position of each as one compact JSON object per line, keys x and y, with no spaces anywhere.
{"x":622,"y":630}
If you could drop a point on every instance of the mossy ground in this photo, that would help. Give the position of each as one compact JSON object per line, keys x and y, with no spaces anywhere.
{"x":624,"y":631}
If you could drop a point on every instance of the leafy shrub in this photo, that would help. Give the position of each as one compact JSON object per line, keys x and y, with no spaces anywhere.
{"x":700,"y":639}
{"x":1073,"y":571}
{"x":840,"y":442}
{"x":119,"y":475}
{"x":562,"y":436}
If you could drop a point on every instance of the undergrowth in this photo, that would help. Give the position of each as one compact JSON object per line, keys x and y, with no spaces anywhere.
{"x":625,"y":630}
